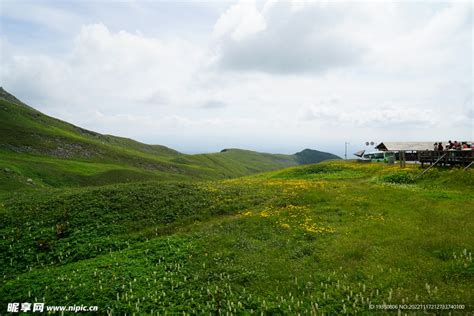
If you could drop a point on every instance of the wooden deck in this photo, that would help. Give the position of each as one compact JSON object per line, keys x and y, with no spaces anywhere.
{"x":446,"y":158}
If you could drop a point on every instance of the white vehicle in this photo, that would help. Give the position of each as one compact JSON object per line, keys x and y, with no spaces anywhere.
{"x":378,"y":156}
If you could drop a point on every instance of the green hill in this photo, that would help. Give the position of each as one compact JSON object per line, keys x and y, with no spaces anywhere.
{"x":332,"y":238}
{"x":53,"y":153}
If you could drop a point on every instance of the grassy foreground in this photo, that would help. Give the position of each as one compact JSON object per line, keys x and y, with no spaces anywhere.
{"x":328,"y":238}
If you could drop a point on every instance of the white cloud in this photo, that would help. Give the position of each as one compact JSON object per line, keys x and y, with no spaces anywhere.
{"x":213,"y":104}
{"x":112,"y":69}
{"x":293,"y":37}
{"x":438,"y":46}
{"x":241,"y":20}
{"x":51,"y":17}
{"x":285,"y":37}
{"x":401,"y":117}
{"x":302,"y":74}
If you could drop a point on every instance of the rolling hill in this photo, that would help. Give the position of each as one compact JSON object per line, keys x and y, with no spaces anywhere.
{"x":331,"y":238}
{"x":36,"y":149}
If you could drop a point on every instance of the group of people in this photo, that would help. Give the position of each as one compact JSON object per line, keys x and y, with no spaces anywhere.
{"x":452,"y":146}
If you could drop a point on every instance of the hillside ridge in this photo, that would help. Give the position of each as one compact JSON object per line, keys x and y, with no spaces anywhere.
{"x":56,"y":153}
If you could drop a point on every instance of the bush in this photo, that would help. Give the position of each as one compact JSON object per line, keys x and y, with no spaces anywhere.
{"x":399,"y":178}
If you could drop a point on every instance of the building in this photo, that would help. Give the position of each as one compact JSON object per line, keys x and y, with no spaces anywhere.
{"x":424,"y":152}
{"x":406,"y":146}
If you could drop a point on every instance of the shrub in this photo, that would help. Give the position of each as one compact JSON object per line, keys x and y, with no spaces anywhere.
{"x":399,"y":178}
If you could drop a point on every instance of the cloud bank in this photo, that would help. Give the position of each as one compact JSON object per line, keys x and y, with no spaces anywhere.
{"x":271,"y":76}
{"x":286,"y":37}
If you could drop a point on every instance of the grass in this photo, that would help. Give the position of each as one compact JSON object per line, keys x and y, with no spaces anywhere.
{"x":327,"y":238}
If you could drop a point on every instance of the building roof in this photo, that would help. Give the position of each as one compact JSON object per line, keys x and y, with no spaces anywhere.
{"x":408,"y":146}
{"x":360,"y":153}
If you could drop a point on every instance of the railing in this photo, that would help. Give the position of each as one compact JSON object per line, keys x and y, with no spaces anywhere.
{"x":448,"y":157}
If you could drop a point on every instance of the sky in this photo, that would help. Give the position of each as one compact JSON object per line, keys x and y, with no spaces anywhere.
{"x":271,"y":76}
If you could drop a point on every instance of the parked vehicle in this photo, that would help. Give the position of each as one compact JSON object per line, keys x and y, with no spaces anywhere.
{"x":380,"y":156}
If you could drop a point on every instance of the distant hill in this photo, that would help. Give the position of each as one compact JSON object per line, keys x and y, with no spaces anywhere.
{"x":309,"y":156}
{"x":39,"y":150}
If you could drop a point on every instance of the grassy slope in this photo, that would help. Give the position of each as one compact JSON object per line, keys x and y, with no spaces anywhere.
{"x":330,"y":237}
{"x":54,"y":153}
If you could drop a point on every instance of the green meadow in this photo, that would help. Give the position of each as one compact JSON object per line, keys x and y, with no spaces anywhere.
{"x":329,"y":238}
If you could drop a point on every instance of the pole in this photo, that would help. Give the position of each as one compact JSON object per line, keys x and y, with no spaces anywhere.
{"x":472,"y":162}
{"x":345,"y":150}
{"x":401,"y":157}
{"x":424,"y":171}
